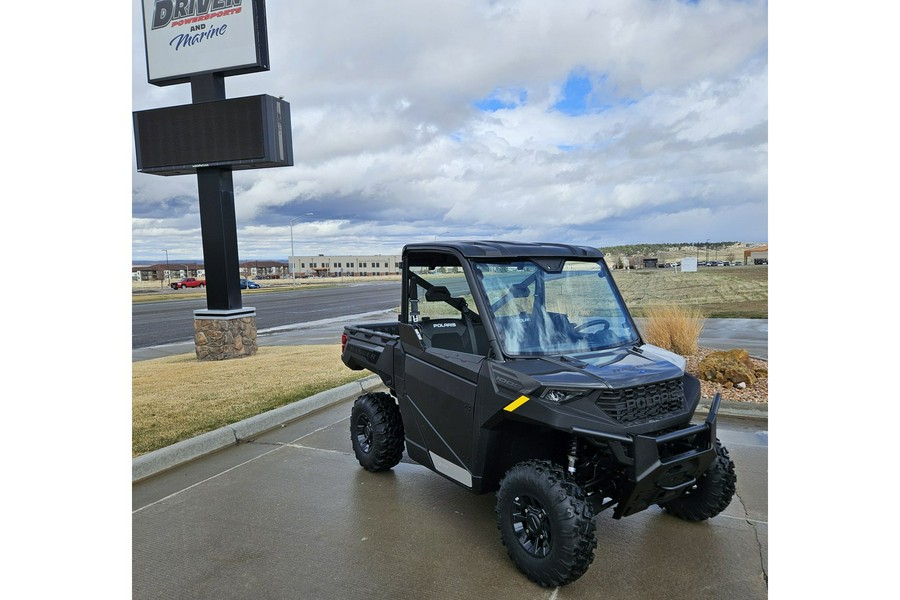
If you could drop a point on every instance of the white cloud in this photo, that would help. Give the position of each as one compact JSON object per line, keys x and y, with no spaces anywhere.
{"x":388,"y":141}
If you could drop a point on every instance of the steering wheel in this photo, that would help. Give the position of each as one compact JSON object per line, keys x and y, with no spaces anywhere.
{"x":594,"y":323}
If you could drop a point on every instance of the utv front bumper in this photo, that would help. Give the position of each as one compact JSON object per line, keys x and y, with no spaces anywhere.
{"x":659,"y":468}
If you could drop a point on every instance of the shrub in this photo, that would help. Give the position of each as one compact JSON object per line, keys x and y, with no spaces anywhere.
{"x":675,"y":328}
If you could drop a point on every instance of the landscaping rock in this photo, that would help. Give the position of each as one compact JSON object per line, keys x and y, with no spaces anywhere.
{"x":730,"y":368}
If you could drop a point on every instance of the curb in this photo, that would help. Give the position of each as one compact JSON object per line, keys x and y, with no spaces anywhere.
{"x":184,"y":451}
{"x":747,"y":410}
{"x":155,"y":462}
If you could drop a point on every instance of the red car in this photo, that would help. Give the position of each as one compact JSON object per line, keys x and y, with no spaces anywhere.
{"x":188,"y":282}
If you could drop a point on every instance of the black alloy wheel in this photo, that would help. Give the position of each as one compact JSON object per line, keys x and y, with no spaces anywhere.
{"x":364,"y":433}
{"x":531,"y":525}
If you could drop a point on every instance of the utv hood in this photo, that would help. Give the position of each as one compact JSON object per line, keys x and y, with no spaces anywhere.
{"x":615,"y":368}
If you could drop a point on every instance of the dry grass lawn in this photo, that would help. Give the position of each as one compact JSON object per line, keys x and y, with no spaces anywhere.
{"x":719,"y":292}
{"x":179,"y":397}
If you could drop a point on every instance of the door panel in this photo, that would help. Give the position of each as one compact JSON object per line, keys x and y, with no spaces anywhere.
{"x":440,"y":388}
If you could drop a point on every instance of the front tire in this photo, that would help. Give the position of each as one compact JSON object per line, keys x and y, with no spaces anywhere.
{"x":376,"y":432}
{"x":546,"y":523}
{"x":711,"y":494}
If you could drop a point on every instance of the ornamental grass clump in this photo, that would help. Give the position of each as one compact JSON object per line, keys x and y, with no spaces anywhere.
{"x":675,"y":328}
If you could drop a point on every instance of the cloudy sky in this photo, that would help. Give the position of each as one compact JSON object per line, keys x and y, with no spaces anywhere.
{"x":587,"y":121}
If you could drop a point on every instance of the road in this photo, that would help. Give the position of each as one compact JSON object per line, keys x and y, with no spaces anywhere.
{"x":311,"y":316}
{"x":158,"y":323}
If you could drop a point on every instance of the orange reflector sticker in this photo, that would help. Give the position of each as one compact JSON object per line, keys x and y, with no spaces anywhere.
{"x":516,"y":403}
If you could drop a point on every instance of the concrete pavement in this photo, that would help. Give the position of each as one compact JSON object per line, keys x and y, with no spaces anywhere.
{"x":291,"y":514}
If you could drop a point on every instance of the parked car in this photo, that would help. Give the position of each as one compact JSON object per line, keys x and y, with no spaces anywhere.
{"x":247,"y":284}
{"x":188,"y":282}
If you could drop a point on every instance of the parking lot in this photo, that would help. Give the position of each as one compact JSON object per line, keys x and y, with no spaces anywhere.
{"x":292,"y":515}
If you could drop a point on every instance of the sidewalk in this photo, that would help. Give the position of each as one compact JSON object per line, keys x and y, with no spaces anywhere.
{"x":291,"y":514}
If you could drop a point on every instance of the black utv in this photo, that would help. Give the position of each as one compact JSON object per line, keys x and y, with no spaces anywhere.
{"x":517,"y":368}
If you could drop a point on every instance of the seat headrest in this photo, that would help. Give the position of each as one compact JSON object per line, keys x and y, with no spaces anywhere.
{"x":438,"y":293}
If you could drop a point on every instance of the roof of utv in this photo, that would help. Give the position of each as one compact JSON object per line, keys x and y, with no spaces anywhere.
{"x":494,"y":249}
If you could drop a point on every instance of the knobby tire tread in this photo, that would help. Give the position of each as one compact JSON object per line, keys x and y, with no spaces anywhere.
{"x":574,"y":537}
{"x":713,"y":493}
{"x":387,"y":429}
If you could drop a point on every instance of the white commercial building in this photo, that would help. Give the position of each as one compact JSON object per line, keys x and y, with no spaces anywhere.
{"x":324,"y":265}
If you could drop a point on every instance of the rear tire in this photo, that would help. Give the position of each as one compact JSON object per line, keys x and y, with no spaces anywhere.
{"x":711,"y":494}
{"x":376,"y":432}
{"x":546,"y":523}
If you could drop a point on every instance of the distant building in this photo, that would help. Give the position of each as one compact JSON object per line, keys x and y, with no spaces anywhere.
{"x":757,"y":256}
{"x":356,"y":265}
{"x":168,"y":271}
{"x":251,"y":269}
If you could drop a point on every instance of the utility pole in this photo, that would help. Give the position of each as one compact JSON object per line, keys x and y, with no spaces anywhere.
{"x":168,"y":276}
{"x":291,"y":258}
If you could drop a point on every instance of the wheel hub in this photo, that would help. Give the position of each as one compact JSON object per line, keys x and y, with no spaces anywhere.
{"x":364,"y":433}
{"x":532,"y":522}
{"x":531,"y":525}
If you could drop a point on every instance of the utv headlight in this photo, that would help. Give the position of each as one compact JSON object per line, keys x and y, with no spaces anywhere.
{"x":558,"y":395}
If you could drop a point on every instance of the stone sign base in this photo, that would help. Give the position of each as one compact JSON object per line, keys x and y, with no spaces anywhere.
{"x":224,"y":334}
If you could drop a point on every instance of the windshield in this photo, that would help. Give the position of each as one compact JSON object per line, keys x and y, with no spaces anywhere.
{"x":566,"y":307}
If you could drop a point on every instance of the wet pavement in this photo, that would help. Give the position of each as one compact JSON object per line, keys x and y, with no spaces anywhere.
{"x":292,"y":515}
{"x":719,"y":334}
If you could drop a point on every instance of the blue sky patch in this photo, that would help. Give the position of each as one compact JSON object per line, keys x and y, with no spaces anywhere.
{"x":576,"y":95}
{"x":584,"y":94}
{"x":502,"y":99}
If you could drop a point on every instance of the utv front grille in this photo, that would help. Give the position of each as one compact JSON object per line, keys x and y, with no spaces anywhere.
{"x":643,"y":403}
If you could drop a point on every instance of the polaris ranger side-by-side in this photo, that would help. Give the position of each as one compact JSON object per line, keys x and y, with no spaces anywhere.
{"x":517,"y":368}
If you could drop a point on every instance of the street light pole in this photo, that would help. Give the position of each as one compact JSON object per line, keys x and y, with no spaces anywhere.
{"x":167,"y":266}
{"x":707,"y":249}
{"x":291,"y":259}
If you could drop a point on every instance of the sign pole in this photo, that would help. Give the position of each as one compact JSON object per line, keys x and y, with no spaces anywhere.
{"x":218,"y":225}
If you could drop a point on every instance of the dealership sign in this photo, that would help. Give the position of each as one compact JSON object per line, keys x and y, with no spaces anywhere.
{"x":193,"y":37}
